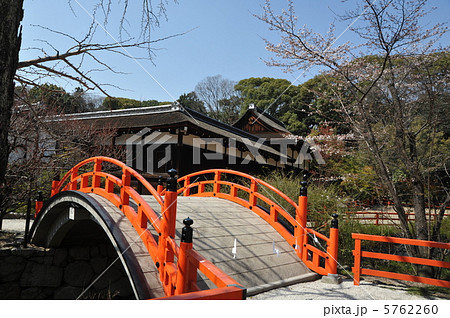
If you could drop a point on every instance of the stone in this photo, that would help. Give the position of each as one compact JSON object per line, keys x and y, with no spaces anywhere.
{"x":11,"y":268}
{"x":5,"y":251}
{"x":10,"y":291}
{"x":41,"y":275}
{"x":31,"y":293}
{"x":48,"y":292}
{"x":332,"y":279}
{"x":79,"y":253}
{"x":78,"y":274}
{"x":99,"y":264}
{"x":49,"y":251}
{"x":25,"y":252}
{"x":39,"y":260}
{"x":48,"y":260}
{"x":39,"y":252}
{"x":68,"y":293}
{"x":95,"y":251}
{"x":60,"y":257}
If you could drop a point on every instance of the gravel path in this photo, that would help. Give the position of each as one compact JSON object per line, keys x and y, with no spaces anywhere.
{"x":371,"y":288}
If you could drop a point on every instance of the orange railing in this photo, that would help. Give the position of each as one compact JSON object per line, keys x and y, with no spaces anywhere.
{"x":358,"y":254}
{"x":177,"y":265}
{"x":259,"y":196}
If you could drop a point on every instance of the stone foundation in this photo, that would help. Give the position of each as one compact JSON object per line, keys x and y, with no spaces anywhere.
{"x":62,"y":273}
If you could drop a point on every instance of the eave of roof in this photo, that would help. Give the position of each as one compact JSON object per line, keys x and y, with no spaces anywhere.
{"x":142,"y":117}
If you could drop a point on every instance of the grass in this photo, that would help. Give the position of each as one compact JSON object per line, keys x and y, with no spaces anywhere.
{"x":430,"y":291}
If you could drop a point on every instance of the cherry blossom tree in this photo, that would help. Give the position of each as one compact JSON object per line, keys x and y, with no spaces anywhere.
{"x":392,"y":87}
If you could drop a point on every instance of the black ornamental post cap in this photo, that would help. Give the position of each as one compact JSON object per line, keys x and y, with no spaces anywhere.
{"x":172,"y":181}
{"x":172,"y":172}
{"x":160,"y":180}
{"x":39,"y":196}
{"x":187,"y":231}
{"x":334,"y":221}
{"x":303,"y":189}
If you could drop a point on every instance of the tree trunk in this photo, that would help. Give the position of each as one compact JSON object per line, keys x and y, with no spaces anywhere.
{"x":11,"y":14}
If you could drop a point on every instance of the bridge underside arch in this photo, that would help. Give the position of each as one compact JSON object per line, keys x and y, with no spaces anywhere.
{"x":73,"y":218}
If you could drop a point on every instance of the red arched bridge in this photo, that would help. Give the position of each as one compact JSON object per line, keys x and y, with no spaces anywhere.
{"x":243,"y":241}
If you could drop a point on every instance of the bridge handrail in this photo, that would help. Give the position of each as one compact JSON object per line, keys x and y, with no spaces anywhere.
{"x":74,"y":173}
{"x":253,"y":193}
{"x":166,"y":249}
{"x":239,"y":174}
{"x":293,"y":230}
{"x":72,"y":180}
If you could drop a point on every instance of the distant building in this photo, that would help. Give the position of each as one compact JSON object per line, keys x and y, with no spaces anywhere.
{"x":261,"y":124}
{"x":158,"y":138}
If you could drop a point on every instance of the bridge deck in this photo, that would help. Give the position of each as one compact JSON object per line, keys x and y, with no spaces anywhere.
{"x":257,"y":266}
{"x":146,"y":264}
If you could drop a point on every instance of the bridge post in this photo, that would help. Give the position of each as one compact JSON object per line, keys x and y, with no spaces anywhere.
{"x":187,"y":190}
{"x":55,"y":185}
{"x":185,"y":273}
{"x":73,"y":182}
{"x":332,"y":248}
{"x":39,"y":203}
{"x":126,"y":182}
{"x":168,"y":219}
{"x":252,"y":200}
{"x":216,"y":187}
{"x":96,"y":180}
{"x":301,"y":217}
{"x":170,"y":203}
{"x":160,"y":186}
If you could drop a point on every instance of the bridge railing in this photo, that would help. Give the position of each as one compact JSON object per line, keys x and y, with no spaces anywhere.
{"x":263,"y":199}
{"x":358,"y":254}
{"x":177,"y":266}
{"x":189,"y":263}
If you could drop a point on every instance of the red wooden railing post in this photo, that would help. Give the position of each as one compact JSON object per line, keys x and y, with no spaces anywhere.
{"x":216,"y":188}
{"x":357,"y":263}
{"x":300,"y":233}
{"x":185,"y":272}
{"x":97,"y":168}
{"x":187,"y":190}
{"x":55,"y":185}
{"x":332,"y":248}
{"x":126,"y":181}
{"x":73,"y":180}
{"x":252,"y":200}
{"x":39,"y":203}
{"x":170,"y":203}
{"x":168,"y":219}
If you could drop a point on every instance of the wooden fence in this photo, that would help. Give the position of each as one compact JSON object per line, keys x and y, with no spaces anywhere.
{"x":358,"y":254}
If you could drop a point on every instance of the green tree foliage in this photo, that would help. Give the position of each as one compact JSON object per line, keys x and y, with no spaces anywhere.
{"x":276,"y":96}
{"x":300,"y":107}
{"x":191,"y":100}
{"x":54,"y":97}
{"x":111,"y":103}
